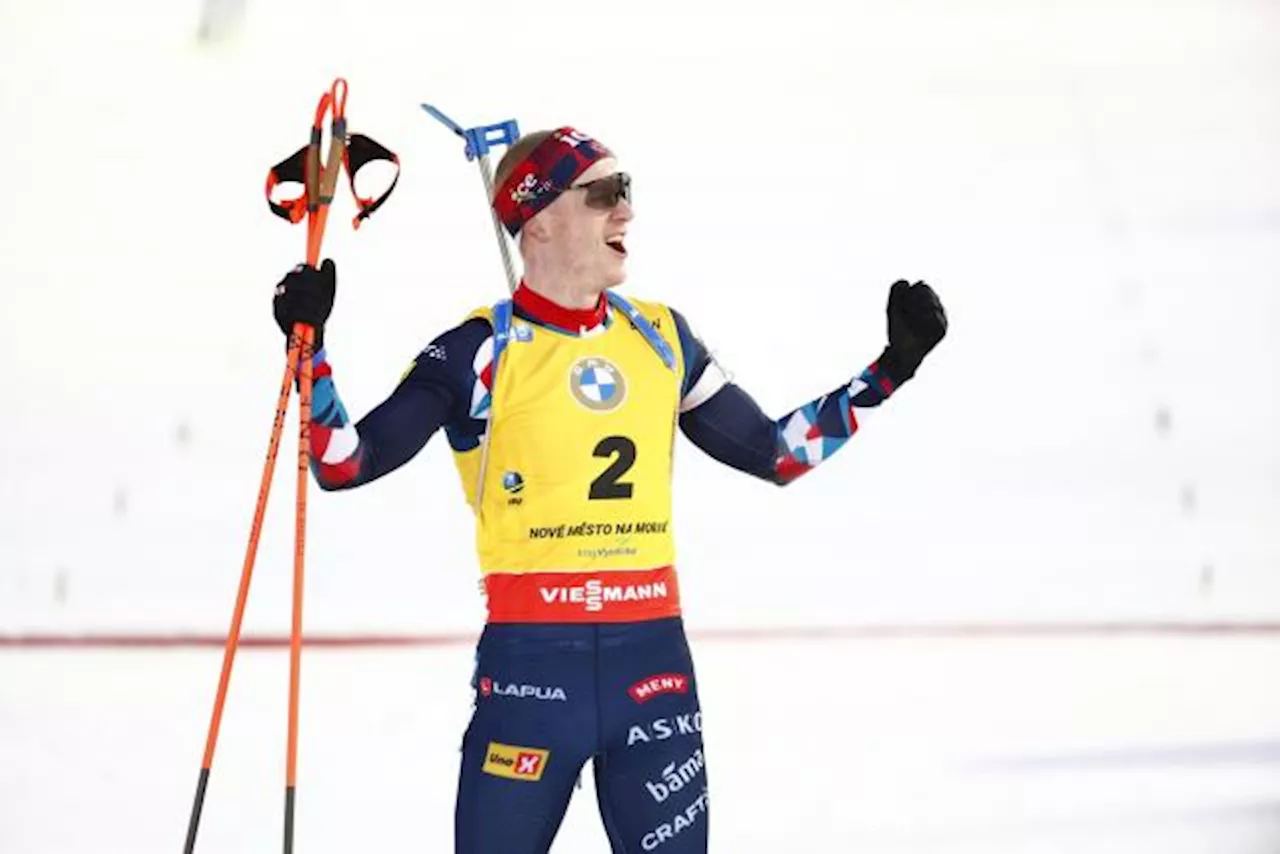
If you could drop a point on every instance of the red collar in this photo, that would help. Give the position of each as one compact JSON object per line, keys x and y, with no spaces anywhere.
{"x":569,"y":319}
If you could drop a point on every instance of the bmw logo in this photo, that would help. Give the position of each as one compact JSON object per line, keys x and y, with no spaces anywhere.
{"x":597,"y":384}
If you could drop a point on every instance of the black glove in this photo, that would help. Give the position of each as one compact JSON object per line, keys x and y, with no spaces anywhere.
{"x":305,"y":295}
{"x":917,"y":322}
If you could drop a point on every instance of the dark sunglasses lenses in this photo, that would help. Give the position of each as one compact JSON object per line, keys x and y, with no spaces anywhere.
{"x":606,"y":192}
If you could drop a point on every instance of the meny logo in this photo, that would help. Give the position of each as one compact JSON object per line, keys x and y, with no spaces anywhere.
{"x":663,"y":683}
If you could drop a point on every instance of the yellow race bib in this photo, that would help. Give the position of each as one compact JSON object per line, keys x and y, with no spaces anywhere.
{"x":572,"y":488}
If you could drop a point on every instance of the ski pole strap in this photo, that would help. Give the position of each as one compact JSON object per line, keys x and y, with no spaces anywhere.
{"x":289,"y":171}
{"x":361,"y":151}
{"x":358,"y":152}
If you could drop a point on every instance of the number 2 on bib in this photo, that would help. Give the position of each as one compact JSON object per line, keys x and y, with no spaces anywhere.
{"x":606,"y":485}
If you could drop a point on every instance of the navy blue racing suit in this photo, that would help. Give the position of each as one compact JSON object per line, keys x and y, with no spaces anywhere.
{"x":550,"y":697}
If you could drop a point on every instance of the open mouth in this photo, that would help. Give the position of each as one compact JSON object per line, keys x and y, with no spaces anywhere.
{"x":615,"y":243}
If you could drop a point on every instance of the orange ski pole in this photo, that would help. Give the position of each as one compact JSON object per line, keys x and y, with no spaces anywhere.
{"x":242,"y":596}
{"x":314,"y":205}
{"x":320,"y":184}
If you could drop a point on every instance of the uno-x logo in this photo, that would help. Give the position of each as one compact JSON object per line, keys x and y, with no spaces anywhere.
{"x":595,"y":594}
{"x":663,"y":683}
{"x":490,"y":688}
{"x":515,"y":763}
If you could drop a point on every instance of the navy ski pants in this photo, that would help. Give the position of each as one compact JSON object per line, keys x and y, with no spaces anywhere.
{"x":551,"y":696}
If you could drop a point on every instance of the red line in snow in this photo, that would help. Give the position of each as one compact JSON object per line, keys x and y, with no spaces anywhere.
{"x":192,"y":640}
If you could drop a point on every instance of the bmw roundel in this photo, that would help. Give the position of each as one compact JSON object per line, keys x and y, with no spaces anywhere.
{"x":597,"y":384}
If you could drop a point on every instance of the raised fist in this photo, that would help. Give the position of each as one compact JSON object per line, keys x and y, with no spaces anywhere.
{"x":917,"y":322}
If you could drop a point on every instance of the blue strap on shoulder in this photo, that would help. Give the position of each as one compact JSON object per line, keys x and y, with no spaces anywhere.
{"x":502,"y":314}
{"x":645,"y":328}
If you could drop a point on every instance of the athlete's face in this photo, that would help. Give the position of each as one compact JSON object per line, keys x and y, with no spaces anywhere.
{"x":588,"y":225}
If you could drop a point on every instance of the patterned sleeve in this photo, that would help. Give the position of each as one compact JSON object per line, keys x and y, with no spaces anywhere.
{"x":726,"y":423}
{"x":437,"y":390}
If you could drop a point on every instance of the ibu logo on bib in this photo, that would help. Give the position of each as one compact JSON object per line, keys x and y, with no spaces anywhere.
{"x":597,"y":384}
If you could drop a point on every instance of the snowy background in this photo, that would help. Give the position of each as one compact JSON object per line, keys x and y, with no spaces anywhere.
{"x":1093,"y":189}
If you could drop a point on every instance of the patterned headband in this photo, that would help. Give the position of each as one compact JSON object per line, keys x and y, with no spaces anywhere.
{"x":544,"y":174}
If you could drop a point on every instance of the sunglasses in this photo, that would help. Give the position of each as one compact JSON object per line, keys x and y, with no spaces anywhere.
{"x":605,"y":193}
